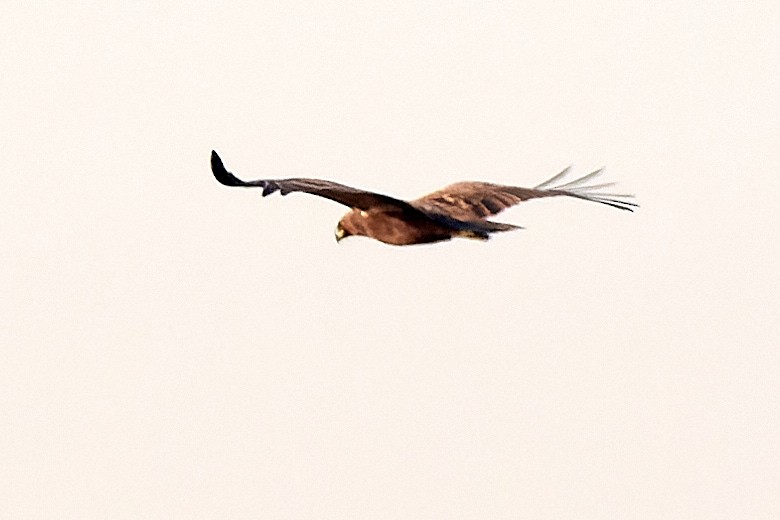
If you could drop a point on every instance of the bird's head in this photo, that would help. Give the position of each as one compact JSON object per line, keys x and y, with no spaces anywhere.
{"x":352,"y":224}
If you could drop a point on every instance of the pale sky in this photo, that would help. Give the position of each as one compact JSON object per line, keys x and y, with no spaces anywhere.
{"x":172,"y":348}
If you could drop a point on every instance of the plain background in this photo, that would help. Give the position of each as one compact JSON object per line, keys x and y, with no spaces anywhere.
{"x":172,"y":348}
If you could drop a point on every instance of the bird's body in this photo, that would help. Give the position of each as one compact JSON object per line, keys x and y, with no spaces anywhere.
{"x":391,"y":227}
{"x":458,"y":210}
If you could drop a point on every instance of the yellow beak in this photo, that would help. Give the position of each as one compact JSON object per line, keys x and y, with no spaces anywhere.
{"x":340,"y":233}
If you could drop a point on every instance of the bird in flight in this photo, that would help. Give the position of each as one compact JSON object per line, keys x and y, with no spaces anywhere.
{"x":458,"y":210}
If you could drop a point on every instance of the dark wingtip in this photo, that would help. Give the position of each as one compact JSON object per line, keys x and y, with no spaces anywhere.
{"x":221,"y":174}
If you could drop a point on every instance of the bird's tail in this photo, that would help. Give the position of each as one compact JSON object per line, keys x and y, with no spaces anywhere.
{"x":482,"y":229}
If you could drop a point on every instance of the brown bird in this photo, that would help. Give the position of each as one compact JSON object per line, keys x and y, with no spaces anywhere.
{"x":459,"y":210}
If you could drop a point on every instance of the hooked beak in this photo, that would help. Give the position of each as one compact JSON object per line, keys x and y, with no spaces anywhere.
{"x":340,"y":234}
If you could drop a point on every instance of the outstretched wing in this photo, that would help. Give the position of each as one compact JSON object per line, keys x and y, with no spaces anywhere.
{"x":479,"y":200}
{"x":352,"y":197}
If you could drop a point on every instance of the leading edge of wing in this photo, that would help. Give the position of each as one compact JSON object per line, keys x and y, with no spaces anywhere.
{"x":346,"y":195}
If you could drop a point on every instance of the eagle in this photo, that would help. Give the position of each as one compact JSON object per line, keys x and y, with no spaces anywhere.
{"x":458,"y":210}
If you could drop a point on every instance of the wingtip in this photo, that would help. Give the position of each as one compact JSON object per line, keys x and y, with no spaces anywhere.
{"x":220,"y":172}
{"x":216,"y":162}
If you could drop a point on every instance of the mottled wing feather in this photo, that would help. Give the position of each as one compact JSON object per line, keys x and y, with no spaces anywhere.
{"x":471,"y":200}
{"x":479,"y":200}
{"x":352,"y":197}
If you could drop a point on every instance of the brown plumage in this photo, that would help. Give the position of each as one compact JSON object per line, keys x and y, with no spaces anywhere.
{"x":459,"y":210}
